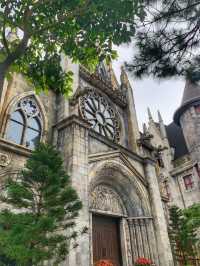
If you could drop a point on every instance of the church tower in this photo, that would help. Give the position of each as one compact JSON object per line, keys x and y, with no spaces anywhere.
{"x":188,"y":117}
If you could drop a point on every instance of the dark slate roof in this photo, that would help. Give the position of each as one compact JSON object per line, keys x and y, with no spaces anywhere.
{"x":191,"y":92}
{"x":176,"y":140}
{"x":191,"y":96}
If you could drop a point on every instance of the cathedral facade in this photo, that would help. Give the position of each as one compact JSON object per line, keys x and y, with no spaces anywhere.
{"x":112,"y":165}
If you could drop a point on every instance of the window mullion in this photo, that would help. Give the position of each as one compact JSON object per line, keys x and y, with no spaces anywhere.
{"x":24,"y":131}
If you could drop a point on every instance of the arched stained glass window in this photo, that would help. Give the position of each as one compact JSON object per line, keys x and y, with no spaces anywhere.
{"x":24,"y":124}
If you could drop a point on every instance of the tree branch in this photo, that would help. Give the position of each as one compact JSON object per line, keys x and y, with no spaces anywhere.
{"x":171,"y":13}
{"x":62,"y":18}
{"x":20,"y":49}
{"x":4,"y":31}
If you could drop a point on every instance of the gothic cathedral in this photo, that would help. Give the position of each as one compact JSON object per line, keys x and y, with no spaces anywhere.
{"x":113,"y":166}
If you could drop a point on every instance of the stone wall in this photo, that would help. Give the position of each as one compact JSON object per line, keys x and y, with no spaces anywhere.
{"x":190,"y":123}
{"x":91,"y":160}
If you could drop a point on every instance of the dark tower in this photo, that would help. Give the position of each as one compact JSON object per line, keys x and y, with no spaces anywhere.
{"x":188,"y":117}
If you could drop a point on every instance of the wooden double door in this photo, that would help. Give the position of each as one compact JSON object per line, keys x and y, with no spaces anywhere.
{"x":106,"y":239}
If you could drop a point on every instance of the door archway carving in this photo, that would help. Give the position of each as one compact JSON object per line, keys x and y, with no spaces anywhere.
{"x":104,"y":198}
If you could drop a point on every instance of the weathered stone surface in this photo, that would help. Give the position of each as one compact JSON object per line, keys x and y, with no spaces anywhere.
{"x":93,"y":161}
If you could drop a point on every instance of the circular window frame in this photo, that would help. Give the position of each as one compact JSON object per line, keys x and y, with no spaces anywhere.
{"x":112,"y":110}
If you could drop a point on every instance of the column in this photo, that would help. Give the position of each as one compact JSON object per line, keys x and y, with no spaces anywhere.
{"x":133,"y":240}
{"x":163,"y":244}
{"x":74,"y":147}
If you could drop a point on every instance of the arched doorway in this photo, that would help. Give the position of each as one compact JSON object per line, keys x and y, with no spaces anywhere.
{"x":106,"y":239}
{"x":107,"y":214}
{"x":121,"y":221}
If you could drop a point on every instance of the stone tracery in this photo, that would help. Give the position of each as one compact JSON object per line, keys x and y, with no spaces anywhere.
{"x":24,"y":125}
{"x":99,"y":113}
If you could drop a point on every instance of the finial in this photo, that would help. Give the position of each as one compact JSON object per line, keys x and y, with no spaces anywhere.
{"x":162,"y":126}
{"x":145,"y":130}
{"x":159,"y":117}
{"x":149,"y":114}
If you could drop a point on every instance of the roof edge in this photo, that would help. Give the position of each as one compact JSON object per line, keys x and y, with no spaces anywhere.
{"x":183,"y":108}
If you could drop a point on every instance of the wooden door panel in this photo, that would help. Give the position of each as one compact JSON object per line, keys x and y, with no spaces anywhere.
{"x":106,"y":239}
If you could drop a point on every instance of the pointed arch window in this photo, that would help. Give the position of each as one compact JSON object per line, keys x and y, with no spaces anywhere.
{"x":24,"y":126}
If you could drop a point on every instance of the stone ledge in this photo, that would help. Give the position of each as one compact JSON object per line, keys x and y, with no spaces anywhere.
{"x":181,"y":169}
{"x":149,"y":160}
{"x":13,"y":147}
{"x":73,"y":119}
{"x":108,"y":213}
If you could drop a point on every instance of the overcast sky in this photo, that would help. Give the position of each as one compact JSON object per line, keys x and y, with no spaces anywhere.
{"x":158,"y":95}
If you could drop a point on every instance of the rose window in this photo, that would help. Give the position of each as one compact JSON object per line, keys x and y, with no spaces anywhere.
{"x":99,"y":113}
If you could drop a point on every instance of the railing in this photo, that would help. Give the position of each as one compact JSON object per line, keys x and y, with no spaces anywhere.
{"x":143,"y":242}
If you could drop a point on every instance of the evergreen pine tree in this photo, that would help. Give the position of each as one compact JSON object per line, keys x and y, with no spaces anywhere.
{"x":175,"y":226}
{"x":38,"y":222}
{"x":183,"y":228}
{"x":167,"y":41}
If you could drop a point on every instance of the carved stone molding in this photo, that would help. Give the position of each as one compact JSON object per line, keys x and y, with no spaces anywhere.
{"x":104,"y":198}
{"x":4,"y":159}
{"x":117,"y":95}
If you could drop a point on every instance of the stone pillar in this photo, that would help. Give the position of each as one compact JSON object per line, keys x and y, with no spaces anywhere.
{"x":62,"y":104}
{"x":133,"y":128}
{"x":163,"y":244}
{"x":153,"y":242}
{"x":73,"y":139}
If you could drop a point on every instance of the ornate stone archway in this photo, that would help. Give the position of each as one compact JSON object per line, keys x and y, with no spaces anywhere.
{"x":114,"y":191}
{"x":126,"y":183}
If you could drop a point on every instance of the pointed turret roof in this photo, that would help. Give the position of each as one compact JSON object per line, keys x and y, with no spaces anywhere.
{"x":191,"y":96}
{"x":191,"y":92}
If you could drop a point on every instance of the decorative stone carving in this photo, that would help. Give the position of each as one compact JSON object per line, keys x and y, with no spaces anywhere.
{"x":4,"y":159}
{"x":116,"y":94}
{"x":98,"y":112}
{"x":104,"y":198}
{"x":29,"y":106}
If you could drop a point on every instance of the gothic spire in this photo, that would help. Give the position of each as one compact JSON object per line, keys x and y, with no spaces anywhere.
{"x":145,"y":130}
{"x":162,"y":126}
{"x":124,"y":78}
{"x":160,"y":117}
{"x":149,"y":114}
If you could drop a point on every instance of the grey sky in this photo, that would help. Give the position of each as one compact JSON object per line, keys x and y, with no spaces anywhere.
{"x":158,"y":95}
